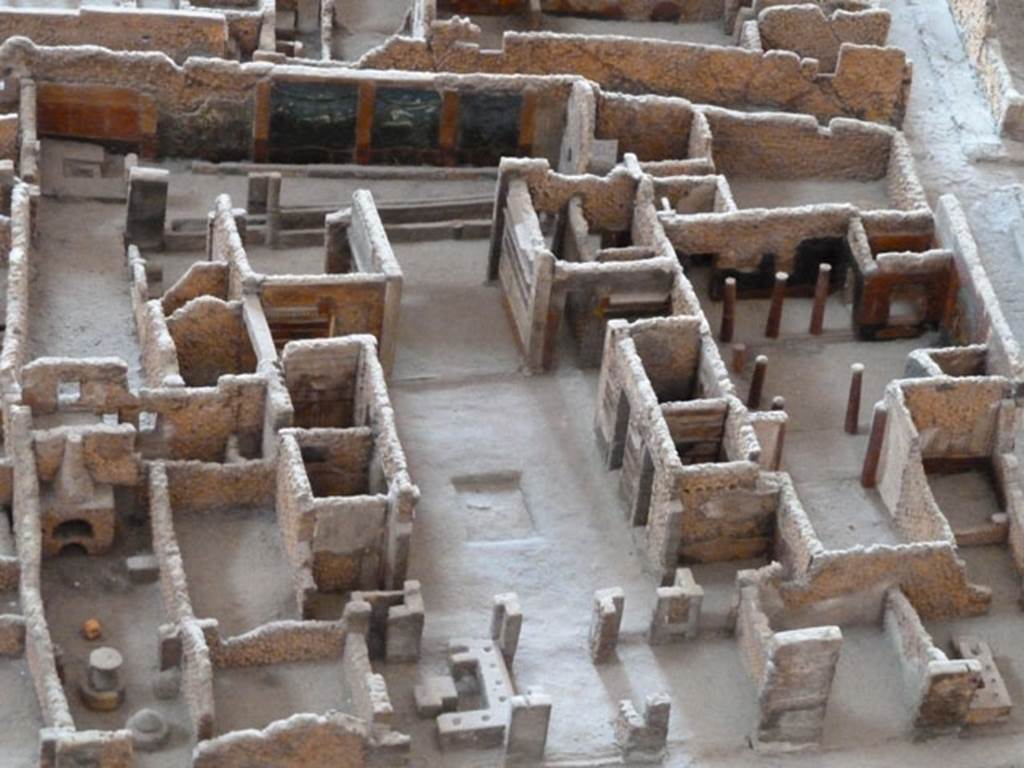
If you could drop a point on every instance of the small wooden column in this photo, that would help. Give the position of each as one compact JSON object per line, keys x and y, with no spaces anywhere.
{"x":771,"y":329}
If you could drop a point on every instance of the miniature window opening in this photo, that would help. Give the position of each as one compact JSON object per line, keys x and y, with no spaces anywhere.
{"x":148,"y":421}
{"x":73,"y":529}
{"x":908,"y":305}
{"x":69,"y":393}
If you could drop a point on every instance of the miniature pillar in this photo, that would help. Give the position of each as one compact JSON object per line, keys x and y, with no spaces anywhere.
{"x":534,"y":15}
{"x":757,"y":382}
{"x":105,"y":669}
{"x":6,"y":185}
{"x":853,"y":400}
{"x":147,"y":207}
{"x":870,"y":471}
{"x":130,"y":161}
{"x":527,"y":734}
{"x":241,"y":222}
{"x":169,"y":641}
{"x":211,"y":224}
{"x":506,"y":623}
{"x":102,"y":690}
{"x":605,"y":623}
{"x":256,"y":201}
{"x":338,"y":259}
{"x":273,"y":209}
{"x":677,"y":610}
{"x":405,"y":625}
{"x":820,"y":298}
{"x":728,"y":311}
{"x":648,"y":734}
{"x":739,"y":357}
{"x":778,"y":403}
{"x":771,"y":329}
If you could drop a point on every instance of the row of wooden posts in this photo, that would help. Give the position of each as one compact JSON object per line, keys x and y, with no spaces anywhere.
{"x":771,"y":329}
{"x":772,"y":326}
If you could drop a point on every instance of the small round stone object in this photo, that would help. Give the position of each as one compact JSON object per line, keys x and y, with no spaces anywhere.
{"x":167,"y":684}
{"x":150,"y":730}
{"x":92,"y":629}
{"x":102,"y":690}
{"x":104,"y":668}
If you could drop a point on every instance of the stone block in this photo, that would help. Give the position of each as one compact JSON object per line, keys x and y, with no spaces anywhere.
{"x":482,"y":728}
{"x":147,"y":207}
{"x":142,"y":569}
{"x":991,"y":702}
{"x":506,"y":624}
{"x":605,"y":623}
{"x":256,"y":200}
{"x":528,"y":727}
{"x":643,"y":737}
{"x":677,"y":610}
{"x":435,"y":695}
{"x":405,"y":621}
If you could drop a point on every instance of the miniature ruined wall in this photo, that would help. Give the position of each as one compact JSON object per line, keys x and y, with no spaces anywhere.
{"x":203,"y":278}
{"x":334,"y":739}
{"x":10,"y":570}
{"x":195,"y":423}
{"x":120,"y":118}
{"x":977,"y":25}
{"x":292,"y":741}
{"x":372,"y":252}
{"x":526,"y":271}
{"x":39,"y":648}
{"x":293,"y":307}
{"x":924,"y":279}
{"x":929,"y":573}
{"x":808,"y":32}
{"x":739,"y":239}
{"x":196,"y":666}
{"x":28,"y":137}
{"x":9,"y":130}
{"x":939,"y":690}
{"x":276,"y":642}
{"x":652,"y":128}
{"x":792,"y":670}
{"x":211,"y":341}
{"x":901,"y":478}
{"x":198,"y":486}
{"x":221,"y":110}
{"x":158,"y":354}
{"x":774,"y":146}
{"x":348,"y":530}
{"x":978,"y":317}
{"x":16,"y":327}
{"x":349,"y":541}
{"x":590,"y":286}
{"x":225,"y":246}
{"x":106,"y":749}
{"x":342,"y":304}
{"x":869,"y":83}
{"x":956,"y":418}
{"x":577,"y":148}
{"x":295,"y":515}
{"x":634,"y":10}
{"x":796,"y":542}
{"x":469,"y":119}
{"x":711,"y":510}
{"x":325,"y":388}
{"x":595,"y":286}
{"x":203,"y":117}
{"x":848,"y":586}
{"x":179,"y":34}
{"x":726,"y":514}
